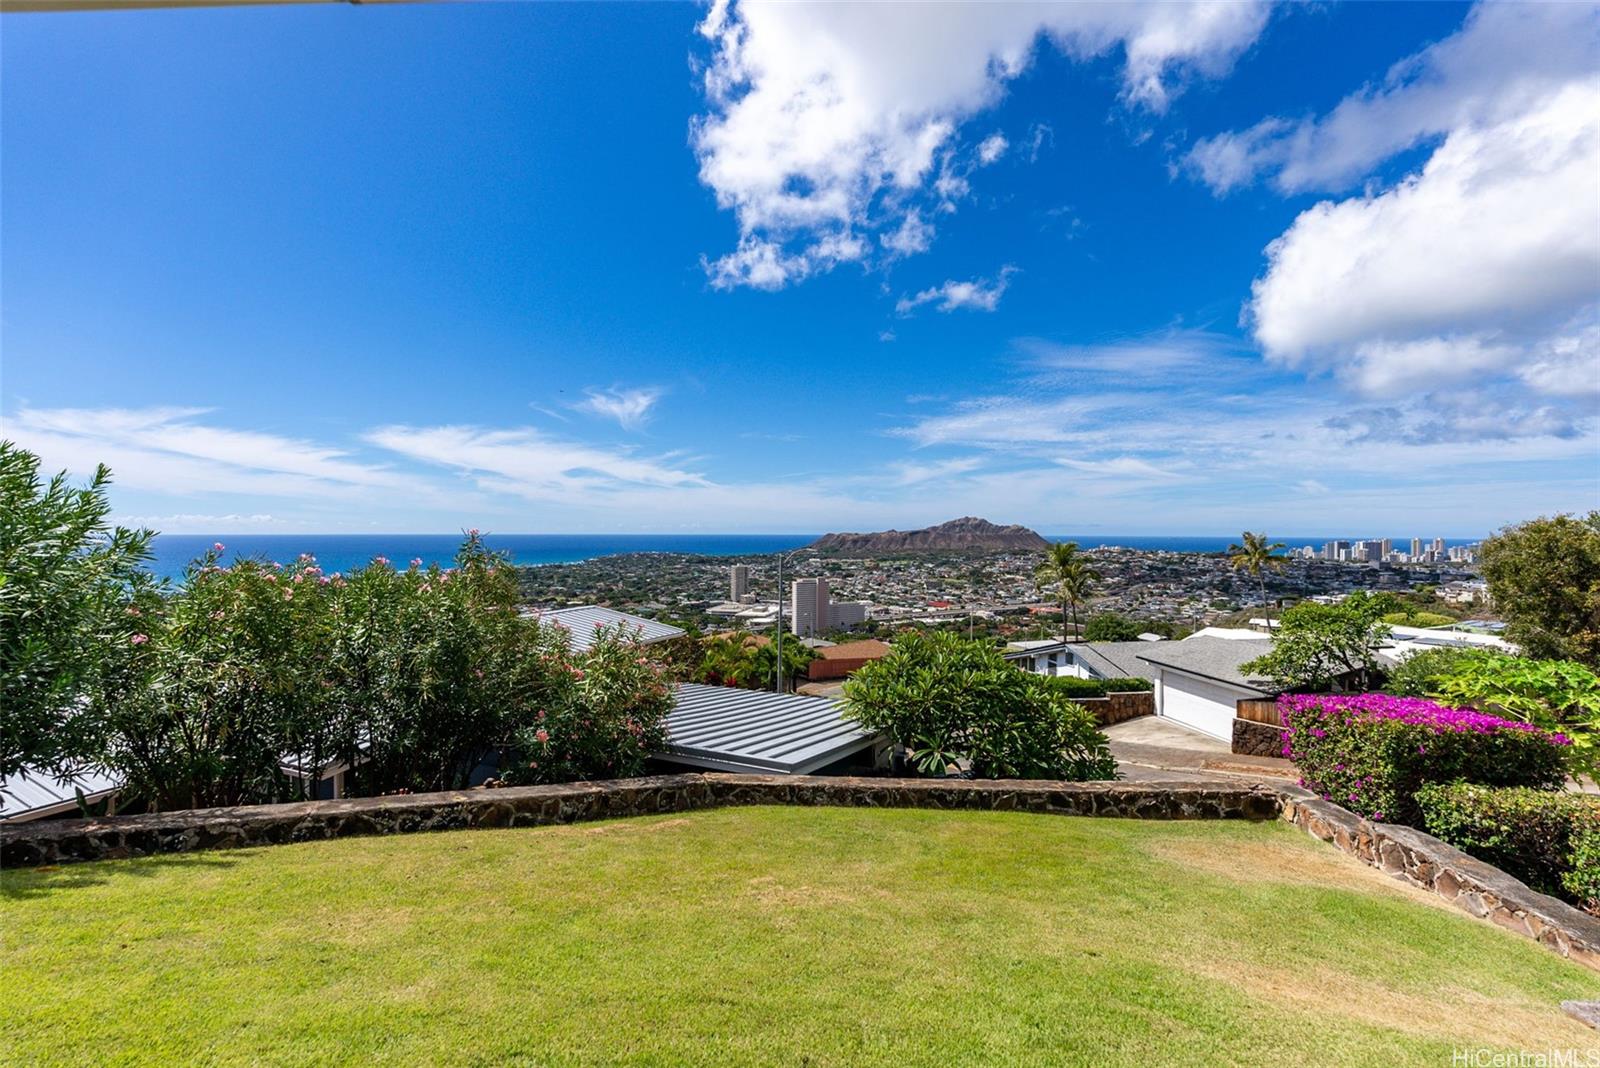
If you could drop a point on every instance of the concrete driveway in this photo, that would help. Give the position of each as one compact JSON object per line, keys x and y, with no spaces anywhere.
{"x":1151,"y":747}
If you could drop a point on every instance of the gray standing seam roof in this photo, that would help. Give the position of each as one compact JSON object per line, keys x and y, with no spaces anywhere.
{"x":1217,"y":659}
{"x":37,"y":793}
{"x":754,"y":731}
{"x":583,"y":621}
{"x":1116,"y":660}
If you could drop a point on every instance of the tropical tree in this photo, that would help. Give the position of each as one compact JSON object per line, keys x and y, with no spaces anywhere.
{"x":1255,"y":556}
{"x":1544,"y":578}
{"x":71,"y":592}
{"x":1067,"y":573}
{"x":1325,"y":646}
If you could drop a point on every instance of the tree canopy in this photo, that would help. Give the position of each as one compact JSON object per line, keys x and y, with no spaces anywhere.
{"x":1544,"y":577}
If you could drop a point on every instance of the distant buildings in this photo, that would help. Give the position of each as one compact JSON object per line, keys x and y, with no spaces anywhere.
{"x":811,"y":612}
{"x":1382,"y":551}
{"x":738,"y":582}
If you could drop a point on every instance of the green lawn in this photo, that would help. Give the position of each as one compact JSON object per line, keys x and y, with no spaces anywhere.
{"x":771,"y":935}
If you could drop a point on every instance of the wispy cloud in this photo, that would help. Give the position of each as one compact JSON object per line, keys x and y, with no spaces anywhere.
{"x":979,"y":294}
{"x":629,"y":407}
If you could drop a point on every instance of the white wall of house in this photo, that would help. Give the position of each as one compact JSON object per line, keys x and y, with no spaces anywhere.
{"x":1205,"y":705}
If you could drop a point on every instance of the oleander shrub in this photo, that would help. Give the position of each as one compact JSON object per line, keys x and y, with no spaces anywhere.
{"x":1071,"y":686}
{"x":1550,"y":839}
{"x":598,"y":715}
{"x":949,"y":701}
{"x":1372,"y":752}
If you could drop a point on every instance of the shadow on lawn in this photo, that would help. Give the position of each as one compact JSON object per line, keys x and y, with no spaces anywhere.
{"x":21,"y":884}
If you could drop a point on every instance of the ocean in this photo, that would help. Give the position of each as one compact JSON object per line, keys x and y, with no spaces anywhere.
{"x":342,"y":552}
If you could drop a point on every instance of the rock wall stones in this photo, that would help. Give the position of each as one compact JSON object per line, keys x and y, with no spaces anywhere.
{"x":1466,"y":882}
{"x":1257,"y":739}
{"x":1117,"y":707}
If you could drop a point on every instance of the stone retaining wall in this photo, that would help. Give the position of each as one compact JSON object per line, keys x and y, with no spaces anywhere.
{"x":1257,"y":739}
{"x":1466,"y":882}
{"x":1469,"y":884}
{"x":1117,"y":707}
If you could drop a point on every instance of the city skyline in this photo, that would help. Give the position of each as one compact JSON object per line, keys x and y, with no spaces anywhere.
{"x":1161,"y":269}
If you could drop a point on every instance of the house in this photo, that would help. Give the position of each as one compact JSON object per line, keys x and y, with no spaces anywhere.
{"x":1405,"y":642}
{"x":720,"y":728}
{"x":842,"y":660}
{"x":585,"y":620}
{"x":1199,"y":681}
{"x":1086,"y":660}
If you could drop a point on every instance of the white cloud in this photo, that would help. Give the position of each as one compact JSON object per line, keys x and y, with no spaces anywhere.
{"x":1493,"y":248}
{"x":1123,"y":467}
{"x":991,"y":148}
{"x":629,"y":407}
{"x":529,"y":463}
{"x":912,"y":236}
{"x":979,"y":294}
{"x":166,"y":448}
{"x":829,"y":121}
{"x":913,"y":474}
{"x":1507,"y":60}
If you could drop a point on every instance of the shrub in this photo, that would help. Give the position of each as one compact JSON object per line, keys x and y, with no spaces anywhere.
{"x":946,"y":699}
{"x":1072,"y":686}
{"x":1419,"y":674}
{"x":67,"y":580}
{"x":1550,"y":839}
{"x":600,"y":714}
{"x":1323,"y":646}
{"x":1372,"y":752}
{"x":1558,"y":695}
{"x":1412,"y":617}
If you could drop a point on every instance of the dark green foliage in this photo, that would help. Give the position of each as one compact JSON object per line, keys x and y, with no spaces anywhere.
{"x":1419,"y":675}
{"x":1070,"y":686}
{"x":751,"y":663}
{"x":1544,"y":577}
{"x":70,"y":588}
{"x":1325,"y":646}
{"x":1110,"y":627}
{"x":947,"y":699}
{"x":1550,"y":839}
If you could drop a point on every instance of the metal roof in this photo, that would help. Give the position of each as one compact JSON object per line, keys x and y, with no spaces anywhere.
{"x":1212,"y":658}
{"x":754,"y":731}
{"x":33,"y":794}
{"x":585,"y":620}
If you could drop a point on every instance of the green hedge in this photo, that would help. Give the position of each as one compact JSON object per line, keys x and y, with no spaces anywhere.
{"x":1550,"y":839}
{"x":1072,"y":686}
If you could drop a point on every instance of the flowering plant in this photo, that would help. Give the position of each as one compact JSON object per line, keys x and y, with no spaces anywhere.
{"x":1371,"y":752}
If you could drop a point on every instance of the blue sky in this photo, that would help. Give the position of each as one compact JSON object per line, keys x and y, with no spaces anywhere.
{"x":1131,"y":269}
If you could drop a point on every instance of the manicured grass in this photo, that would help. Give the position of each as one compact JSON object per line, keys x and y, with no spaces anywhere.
{"x":769,"y":935}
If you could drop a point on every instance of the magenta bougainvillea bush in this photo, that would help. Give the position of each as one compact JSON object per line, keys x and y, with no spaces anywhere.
{"x":1372,"y":752}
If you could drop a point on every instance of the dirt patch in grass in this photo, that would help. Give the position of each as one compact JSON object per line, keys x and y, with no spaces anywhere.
{"x":1270,"y":861}
{"x":632,"y":826}
{"x":1464,"y":1016}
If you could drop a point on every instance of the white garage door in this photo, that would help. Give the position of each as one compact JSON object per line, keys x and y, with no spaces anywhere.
{"x":1203,"y":705}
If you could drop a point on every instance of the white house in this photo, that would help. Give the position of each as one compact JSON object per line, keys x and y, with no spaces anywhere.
{"x":1198,"y":681}
{"x":1085,"y":660}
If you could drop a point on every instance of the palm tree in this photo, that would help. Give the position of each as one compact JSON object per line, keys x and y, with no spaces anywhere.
{"x":1256,"y":556}
{"x":1067,"y":572}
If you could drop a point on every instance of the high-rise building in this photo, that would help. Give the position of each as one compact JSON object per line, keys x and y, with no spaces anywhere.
{"x":1416,"y":548}
{"x":738,"y":581}
{"x":1336,"y":550}
{"x":1438,"y":546}
{"x":808,"y":607}
{"x":1388,"y":547}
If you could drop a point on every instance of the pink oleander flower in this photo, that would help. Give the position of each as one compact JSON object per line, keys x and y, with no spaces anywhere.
{"x":541,"y":735}
{"x":218,"y":547}
{"x":416,"y":561}
{"x":323,"y":580}
{"x":288,"y":595}
{"x":381,"y":561}
{"x":139,"y":639}
{"x":133,"y":610}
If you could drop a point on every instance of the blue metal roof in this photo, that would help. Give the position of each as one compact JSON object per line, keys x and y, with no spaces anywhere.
{"x":727,"y":729}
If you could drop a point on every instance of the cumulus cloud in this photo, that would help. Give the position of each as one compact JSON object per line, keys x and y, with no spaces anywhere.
{"x":913,"y":235}
{"x":979,"y":294}
{"x":629,"y":407}
{"x":827,"y":122}
{"x":1507,"y":60}
{"x":1485,"y":252}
